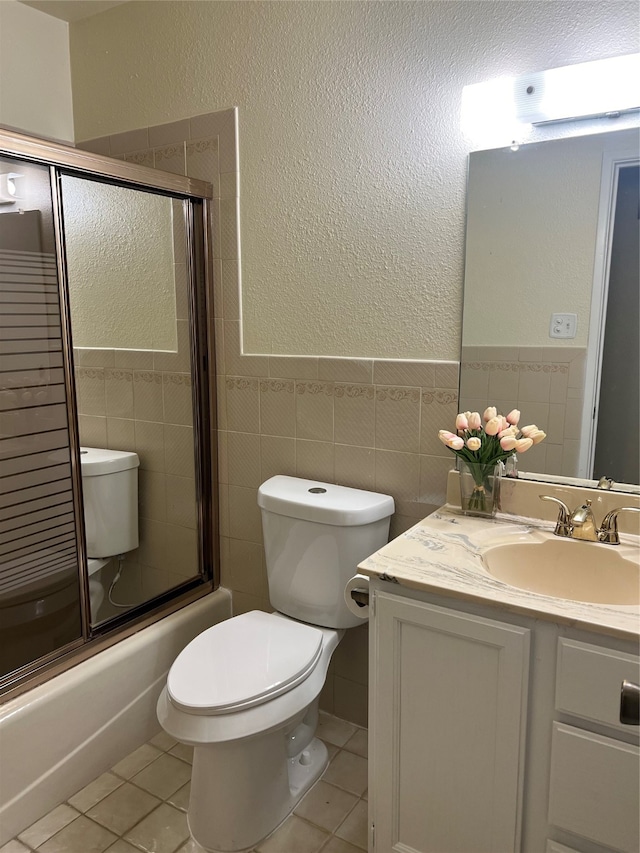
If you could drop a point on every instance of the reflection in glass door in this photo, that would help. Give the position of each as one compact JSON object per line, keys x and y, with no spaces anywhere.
{"x":39,"y":580}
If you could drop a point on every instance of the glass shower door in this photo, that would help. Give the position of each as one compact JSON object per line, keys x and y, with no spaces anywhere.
{"x":40,"y":587}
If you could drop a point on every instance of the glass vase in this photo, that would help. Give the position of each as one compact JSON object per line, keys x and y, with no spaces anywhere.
{"x":479,"y":487}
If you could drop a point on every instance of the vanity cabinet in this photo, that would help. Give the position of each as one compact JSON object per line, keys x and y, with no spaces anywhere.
{"x":496,"y":731}
{"x":448,"y":694}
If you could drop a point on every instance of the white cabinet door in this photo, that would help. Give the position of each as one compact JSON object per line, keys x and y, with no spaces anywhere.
{"x":448,"y":702}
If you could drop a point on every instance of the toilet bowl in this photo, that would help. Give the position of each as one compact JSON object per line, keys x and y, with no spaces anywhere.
{"x":245,"y":692}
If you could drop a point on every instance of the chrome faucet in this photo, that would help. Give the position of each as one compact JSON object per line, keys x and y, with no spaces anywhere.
{"x":609,"y":529}
{"x":581,"y":523}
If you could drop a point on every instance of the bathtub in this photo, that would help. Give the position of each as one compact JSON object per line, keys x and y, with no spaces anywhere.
{"x":59,"y":736}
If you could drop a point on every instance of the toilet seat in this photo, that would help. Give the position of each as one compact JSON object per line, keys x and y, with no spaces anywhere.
{"x":243,"y":662}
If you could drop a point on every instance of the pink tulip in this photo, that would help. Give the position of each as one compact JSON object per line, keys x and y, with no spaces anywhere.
{"x":527,"y":430}
{"x":489,"y":412}
{"x":508,"y":442}
{"x":474,"y":420}
{"x":474,"y":443}
{"x":538,"y":436}
{"x":450,"y":439}
{"x":514,"y":416}
{"x":508,"y":431}
{"x":493,"y":426}
{"x":505,"y":422}
{"x":462,"y":421}
{"x":523,"y":444}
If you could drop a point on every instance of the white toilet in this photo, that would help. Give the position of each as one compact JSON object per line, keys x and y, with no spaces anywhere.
{"x":110,"y":498}
{"x":245,"y":692}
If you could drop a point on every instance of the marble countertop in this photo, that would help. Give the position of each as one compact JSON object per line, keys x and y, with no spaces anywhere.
{"x":443,"y":554}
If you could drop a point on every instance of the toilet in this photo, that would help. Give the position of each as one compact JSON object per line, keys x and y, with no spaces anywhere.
{"x":245,"y":692}
{"x":110,"y":499}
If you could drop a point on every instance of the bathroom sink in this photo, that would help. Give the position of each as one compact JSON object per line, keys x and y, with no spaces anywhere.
{"x":568,"y":569}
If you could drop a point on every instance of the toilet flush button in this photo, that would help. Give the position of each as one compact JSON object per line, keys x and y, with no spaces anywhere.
{"x":305,"y":758}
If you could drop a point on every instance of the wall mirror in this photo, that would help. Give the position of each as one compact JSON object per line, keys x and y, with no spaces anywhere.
{"x":551,"y":299}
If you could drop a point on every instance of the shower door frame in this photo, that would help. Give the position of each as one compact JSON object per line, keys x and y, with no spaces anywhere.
{"x":80,"y":163}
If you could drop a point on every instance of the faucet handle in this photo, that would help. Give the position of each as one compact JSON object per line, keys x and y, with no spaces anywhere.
{"x":563,"y":524}
{"x":609,"y":530}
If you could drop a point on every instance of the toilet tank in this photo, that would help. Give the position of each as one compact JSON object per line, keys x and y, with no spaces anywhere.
{"x":315,"y":534}
{"x":110,"y":495}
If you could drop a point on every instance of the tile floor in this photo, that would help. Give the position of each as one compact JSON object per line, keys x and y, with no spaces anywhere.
{"x":140,"y":805}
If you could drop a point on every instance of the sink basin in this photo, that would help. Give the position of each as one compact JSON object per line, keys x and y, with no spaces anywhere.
{"x":568,"y":569}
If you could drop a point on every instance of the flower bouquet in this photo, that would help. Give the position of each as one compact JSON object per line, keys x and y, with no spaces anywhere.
{"x":482,"y":445}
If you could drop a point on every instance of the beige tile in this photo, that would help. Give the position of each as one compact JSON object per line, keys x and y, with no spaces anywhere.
{"x":95,"y":791}
{"x":152,"y":551}
{"x":294,"y":836}
{"x":171,"y":158}
{"x":244,"y":459}
{"x":93,"y":431}
{"x":163,"y":741}
{"x":503,"y":382}
{"x":447,"y":374}
{"x":181,"y":501}
{"x":180,"y":799}
{"x":123,"y":808}
{"x":438,"y":410}
{"x":293,"y":367}
{"x":223,"y":457}
{"x":191,"y":846}
{"x":122,"y":847}
{"x":277,"y":456}
{"x":350,"y":700}
{"x":121,"y":434}
{"x":346,"y":370}
{"x":140,"y":158}
{"x":82,"y":834}
{"x":179,"y":450}
{"x":229,"y":184}
{"x":166,"y":134}
{"x":150,"y":445}
{"x":399,"y":372}
{"x":14,"y":847}
{"x":180,"y":360}
{"x":231,"y":289}
{"x":433,"y":479}
{"x":398,"y":419}
{"x":223,"y":514}
{"x":182,"y":291}
{"x":315,"y":460}
{"x":314,"y":410}
{"x":152,"y":495}
{"x":337,"y":845}
{"x":355,"y":828}
{"x":119,"y":392}
{"x":245,"y":521}
{"x":333,"y":730}
{"x":202,"y":161}
{"x":130,"y":140}
{"x":183,"y":751}
{"x":558,"y":386}
{"x":348,"y":771}
{"x":229,"y":217}
{"x":398,"y":474}
{"x":534,"y":386}
{"x":147,"y":395}
{"x":326,"y":806}
{"x":474,"y":383}
{"x":161,"y":831}
{"x":90,"y":388}
{"x":99,"y":145}
{"x":245,"y":569}
{"x":181,"y":550}
{"x":163,"y":777}
{"x":352,"y":655}
{"x":243,"y":603}
{"x":177,"y":398}
{"x":94,"y":357}
{"x":242,"y":404}
{"x":355,"y":467}
{"x":53,"y":822}
{"x":354,"y":415}
{"x":358,"y":743}
{"x":277,"y":407}
{"x":136,"y":760}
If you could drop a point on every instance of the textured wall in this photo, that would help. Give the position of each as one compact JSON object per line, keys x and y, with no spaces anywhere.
{"x":352,"y":158}
{"x":35,"y":76}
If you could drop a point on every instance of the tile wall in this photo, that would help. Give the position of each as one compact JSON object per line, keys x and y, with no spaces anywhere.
{"x":545,"y":383}
{"x":365,"y":423}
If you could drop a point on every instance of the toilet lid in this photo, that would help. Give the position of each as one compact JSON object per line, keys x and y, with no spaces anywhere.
{"x":242,"y":662}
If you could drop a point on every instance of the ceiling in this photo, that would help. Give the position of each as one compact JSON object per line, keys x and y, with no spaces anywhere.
{"x":72,"y":10}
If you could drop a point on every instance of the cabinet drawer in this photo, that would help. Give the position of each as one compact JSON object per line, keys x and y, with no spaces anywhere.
{"x":589,"y":679}
{"x":595,"y":788}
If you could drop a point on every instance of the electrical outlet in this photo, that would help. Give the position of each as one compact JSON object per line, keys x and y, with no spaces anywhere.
{"x":563,"y":325}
